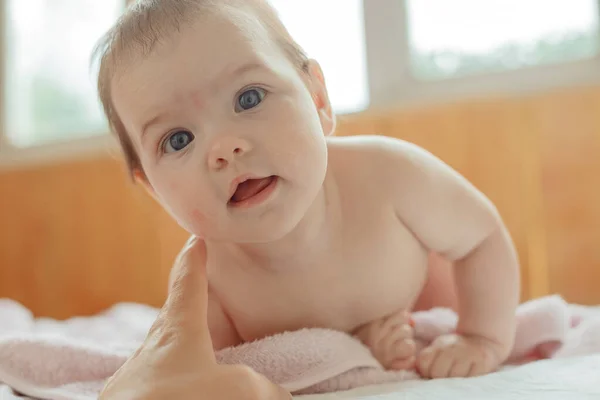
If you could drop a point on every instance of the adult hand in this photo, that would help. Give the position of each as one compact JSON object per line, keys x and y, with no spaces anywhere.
{"x":177,"y":359}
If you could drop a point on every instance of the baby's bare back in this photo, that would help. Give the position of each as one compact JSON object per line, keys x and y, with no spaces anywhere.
{"x":377,"y":267}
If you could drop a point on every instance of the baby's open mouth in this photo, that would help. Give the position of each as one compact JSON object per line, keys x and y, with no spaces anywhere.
{"x":250,"y":188}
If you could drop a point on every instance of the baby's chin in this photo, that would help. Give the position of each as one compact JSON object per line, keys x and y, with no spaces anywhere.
{"x":269,"y":230}
{"x":264,"y":229}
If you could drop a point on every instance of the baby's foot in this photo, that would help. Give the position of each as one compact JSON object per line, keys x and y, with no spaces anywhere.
{"x":391,"y":340}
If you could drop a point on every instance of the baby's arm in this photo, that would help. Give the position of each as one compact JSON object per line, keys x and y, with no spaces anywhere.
{"x":451,"y":217}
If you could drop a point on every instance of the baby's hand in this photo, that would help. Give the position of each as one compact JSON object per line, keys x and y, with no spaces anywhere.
{"x":391,"y":340}
{"x":452,"y":356}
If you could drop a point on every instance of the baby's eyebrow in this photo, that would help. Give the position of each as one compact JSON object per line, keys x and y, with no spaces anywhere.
{"x":221,"y":80}
{"x":153,"y":121}
{"x":229,"y":73}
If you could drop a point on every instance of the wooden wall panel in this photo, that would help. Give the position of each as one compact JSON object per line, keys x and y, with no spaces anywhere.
{"x":568,"y":129}
{"x":78,"y":237}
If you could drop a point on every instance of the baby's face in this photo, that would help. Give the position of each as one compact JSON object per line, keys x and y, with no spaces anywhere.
{"x":215,"y":106}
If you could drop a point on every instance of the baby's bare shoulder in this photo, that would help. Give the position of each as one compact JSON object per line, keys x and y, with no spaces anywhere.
{"x":373,"y":158}
{"x":372,"y":148}
{"x":399,"y":170}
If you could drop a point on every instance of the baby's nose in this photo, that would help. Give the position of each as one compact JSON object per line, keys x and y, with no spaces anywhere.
{"x":225,"y":150}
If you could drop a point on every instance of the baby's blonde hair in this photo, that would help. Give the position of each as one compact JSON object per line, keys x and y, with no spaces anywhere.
{"x":148,"y":22}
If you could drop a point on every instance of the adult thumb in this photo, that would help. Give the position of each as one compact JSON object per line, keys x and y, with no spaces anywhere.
{"x":187,"y":301}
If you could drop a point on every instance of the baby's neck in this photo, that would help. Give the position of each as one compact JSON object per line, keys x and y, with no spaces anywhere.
{"x":315,"y":235}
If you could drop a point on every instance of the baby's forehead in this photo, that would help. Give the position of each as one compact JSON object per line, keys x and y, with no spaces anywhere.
{"x":195,"y":57}
{"x":217,"y":36}
{"x":224,"y":22}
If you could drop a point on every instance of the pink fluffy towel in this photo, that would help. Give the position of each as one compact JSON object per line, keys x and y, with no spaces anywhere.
{"x":48,"y":359}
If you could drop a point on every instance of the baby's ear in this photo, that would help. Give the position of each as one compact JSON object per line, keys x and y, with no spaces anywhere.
{"x":141,"y":179}
{"x":320,"y":96}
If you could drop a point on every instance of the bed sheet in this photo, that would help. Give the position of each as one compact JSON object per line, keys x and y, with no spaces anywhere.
{"x":574,"y":377}
{"x":567,"y":378}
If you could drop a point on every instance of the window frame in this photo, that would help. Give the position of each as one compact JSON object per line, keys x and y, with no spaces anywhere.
{"x":390,"y":80}
{"x":57,"y":151}
{"x":391,"y":83}
{"x":3,"y":29}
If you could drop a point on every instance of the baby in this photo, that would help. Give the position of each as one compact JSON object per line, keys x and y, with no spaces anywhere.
{"x":228,"y":124}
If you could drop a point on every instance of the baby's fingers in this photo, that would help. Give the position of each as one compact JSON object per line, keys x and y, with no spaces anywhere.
{"x":425,"y":360}
{"x":396,"y":320}
{"x":461,"y":369}
{"x":478,"y":368}
{"x":403,"y":364}
{"x":436,"y":360}
{"x":443,"y":363}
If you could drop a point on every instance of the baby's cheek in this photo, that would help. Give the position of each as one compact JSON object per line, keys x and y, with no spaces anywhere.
{"x":193,"y":222}
{"x":176,"y":200}
{"x":198,"y":222}
{"x":197,"y":217}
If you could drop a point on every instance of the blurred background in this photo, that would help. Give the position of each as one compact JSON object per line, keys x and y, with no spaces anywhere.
{"x":505,"y":91}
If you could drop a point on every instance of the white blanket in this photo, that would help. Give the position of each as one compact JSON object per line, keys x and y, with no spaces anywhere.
{"x":572,"y":379}
{"x":565,"y":379}
{"x":58,"y":360}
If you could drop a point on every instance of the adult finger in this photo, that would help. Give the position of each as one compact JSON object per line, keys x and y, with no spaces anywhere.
{"x":186,"y":307}
{"x":267,"y":390}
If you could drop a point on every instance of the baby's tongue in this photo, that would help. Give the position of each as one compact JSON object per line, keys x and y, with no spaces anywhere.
{"x":250,"y":188}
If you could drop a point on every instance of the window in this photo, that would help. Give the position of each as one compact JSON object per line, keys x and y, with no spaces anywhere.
{"x":50,"y":89}
{"x":334,"y":35}
{"x":375,"y":54}
{"x":466,"y":37}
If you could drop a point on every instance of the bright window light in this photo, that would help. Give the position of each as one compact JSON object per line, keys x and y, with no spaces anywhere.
{"x":332,"y":32}
{"x":50,"y":89}
{"x":463,"y":37}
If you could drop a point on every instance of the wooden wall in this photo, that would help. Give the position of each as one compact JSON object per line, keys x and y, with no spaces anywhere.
{"x":79,"y":236}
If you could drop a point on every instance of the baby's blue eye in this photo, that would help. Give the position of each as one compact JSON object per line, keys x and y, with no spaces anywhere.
{"x":250,"y":99}
{"x":178,"y":141}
